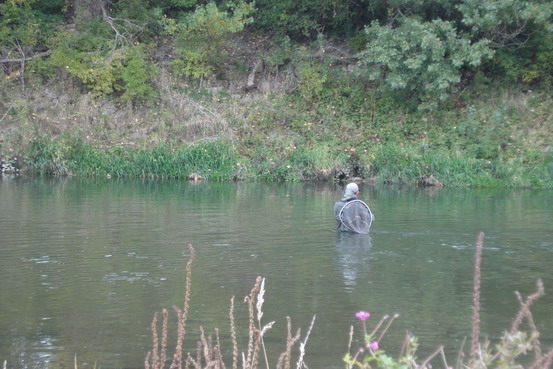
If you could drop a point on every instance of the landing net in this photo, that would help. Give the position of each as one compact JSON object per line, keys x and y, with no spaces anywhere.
{"x":356,"y":216}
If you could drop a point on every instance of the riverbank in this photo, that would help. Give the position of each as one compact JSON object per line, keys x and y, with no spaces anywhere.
{"x":490,"y":136}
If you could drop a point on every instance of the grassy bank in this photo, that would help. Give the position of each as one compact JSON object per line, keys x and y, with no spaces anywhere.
{"x":296,"y":128}
{"x":69,"y":155}
{"x":220,"y":160}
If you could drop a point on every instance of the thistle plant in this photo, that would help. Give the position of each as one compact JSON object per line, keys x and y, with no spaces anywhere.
{"x":370,"y":355}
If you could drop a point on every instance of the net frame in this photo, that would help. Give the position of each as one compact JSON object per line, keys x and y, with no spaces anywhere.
{"x":349,"y":203}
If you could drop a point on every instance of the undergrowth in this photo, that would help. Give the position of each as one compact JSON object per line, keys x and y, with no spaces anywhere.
{"x":498,"y":137}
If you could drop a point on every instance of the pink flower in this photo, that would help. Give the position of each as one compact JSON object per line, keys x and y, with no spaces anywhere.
{"x":363,"y":315}
{"x":373,"y":345}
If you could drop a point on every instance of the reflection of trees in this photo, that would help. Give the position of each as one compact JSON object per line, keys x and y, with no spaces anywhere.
{"x":353,"y":255}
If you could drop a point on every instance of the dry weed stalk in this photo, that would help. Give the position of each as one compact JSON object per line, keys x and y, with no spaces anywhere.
{"x":350,"y":339}
{"x":233,"y":335}
{"x":218,"y":353}
{"x":208,"y":352}
{"x":515,"y":342}
{"x":254,"y":335}
{"x":475,"y":343}
{"x":153,"y":361}
{"x":155,"y":345}
{"x":285,"y":357}
{"x":301,"y":364}
{"x":163,"y":357}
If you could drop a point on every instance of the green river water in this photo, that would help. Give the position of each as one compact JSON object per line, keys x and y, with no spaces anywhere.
{"x":84,"y":265}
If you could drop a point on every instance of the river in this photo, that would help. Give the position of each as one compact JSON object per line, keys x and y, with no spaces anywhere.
{"x":85,"y":264}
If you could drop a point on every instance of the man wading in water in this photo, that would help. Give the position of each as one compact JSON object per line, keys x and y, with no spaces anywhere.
{"x":352,"y":214}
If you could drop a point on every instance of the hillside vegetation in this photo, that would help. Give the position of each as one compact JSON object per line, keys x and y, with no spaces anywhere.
{"x":442,"y":92}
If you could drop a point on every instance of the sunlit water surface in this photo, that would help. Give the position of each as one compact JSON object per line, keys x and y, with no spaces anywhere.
{"x":85,"y":264}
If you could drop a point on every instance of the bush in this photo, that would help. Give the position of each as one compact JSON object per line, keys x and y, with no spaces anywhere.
{"x":202,"y":35}
{"x":422,"y":60}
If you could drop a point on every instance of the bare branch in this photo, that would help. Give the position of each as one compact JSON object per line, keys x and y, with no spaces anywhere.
{"x":123,"y":29}
{"x":25,"y":58}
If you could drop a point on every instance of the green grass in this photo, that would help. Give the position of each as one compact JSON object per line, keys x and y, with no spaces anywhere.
{"x":286,"y":159}
{"x":71,"y":156}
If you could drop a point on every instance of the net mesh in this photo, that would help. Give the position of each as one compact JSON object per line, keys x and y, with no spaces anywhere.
{"x":356,"y":217}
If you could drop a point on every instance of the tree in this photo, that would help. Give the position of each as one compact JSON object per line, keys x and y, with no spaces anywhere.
{"x":420,"y":60}
{"x":506,"y":22}
{"x":201,"y":36}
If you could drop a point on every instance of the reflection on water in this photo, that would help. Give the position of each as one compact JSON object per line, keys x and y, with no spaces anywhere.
{"x":84,"y":264}
{"x":354,"y":255}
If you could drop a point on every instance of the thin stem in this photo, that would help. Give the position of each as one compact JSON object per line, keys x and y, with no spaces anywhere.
{"x":476,"y":299}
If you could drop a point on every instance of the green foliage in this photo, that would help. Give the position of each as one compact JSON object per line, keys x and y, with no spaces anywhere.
{"x":306,"y":163}
{"x":391,"y":163}
{"x":532,"y":64}
{"x":47,"y":157}
{"x":280,"y":54}
{"x":312,"y":77}
{"x":520,"y":31}
{"x":137,"y":11}
{"x":506,"y":22}
{"x":306,"y":19}
{"x":103,"y":69}
{"x":183,"y":3}
{"x":85,"y":57}
{"x":70,"y":155}
{"x":290,"y":17}
{"x":25,"y":28}
{"x":18,"y":24}
{"x":136,"y":76}
{"x":192,"y":63}
{"x":202,"y":35}
{"x":422,"y":60}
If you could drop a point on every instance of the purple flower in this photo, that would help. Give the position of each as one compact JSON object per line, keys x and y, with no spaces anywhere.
{"x":363,"y":315}
{"x":373,"y":345}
